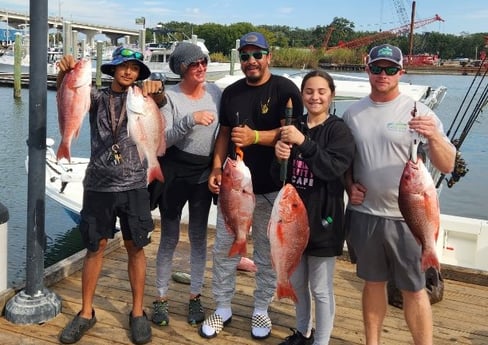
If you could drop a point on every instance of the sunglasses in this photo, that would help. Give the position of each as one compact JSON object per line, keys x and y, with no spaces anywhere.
{"x":256,"y":55}
{"x":198,"y":63}
{"x":128,"y":53}
{"x":390,"y":70}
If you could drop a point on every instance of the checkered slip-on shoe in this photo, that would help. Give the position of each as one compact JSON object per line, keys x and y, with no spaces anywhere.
{"x":260,"y":321}
{"x":215,"y":322}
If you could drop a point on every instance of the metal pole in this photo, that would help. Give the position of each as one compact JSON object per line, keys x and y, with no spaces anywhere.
{"x":36,"y":304}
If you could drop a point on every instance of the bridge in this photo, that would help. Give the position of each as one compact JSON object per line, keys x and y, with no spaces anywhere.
{"x":20,"y":20}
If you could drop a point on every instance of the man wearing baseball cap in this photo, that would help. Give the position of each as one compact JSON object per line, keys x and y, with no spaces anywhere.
{"x":252,"y":110}
{"x":385,"y":125}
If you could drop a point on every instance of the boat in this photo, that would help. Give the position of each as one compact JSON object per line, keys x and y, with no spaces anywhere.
{"x":8,"y":58}
{"x":156,"y":57}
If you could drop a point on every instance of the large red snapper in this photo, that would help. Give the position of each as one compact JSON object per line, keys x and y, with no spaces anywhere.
{"x":146,"y":128}
{"x":73,"y":99}
{"x":288,"y":233}
{"x":419,"y":205}
{"x":237,"y":202}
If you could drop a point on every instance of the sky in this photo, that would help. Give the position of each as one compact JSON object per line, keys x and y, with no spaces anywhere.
{"x":460,"y":17}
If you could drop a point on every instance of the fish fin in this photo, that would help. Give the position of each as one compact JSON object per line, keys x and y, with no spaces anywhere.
{"x":285,"y":290}
{"x":429,"y":259}
{"x":63,"y":151}
{"x":238,"y":248}
{"x":155,"y":173}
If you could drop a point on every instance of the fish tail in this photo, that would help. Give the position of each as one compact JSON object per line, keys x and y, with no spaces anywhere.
{"x":63,"y":151}
{"x":429,"y":259}
{"x":238,"y":248}
{"x":284,"y":290}
{"x":155,"y":173}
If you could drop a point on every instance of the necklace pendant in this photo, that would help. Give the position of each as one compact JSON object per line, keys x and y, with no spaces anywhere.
{"x":115,"y":157}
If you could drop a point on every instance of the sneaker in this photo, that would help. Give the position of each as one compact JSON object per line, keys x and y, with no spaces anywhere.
{"x":160,"y":313}
{"x":140,"y":329}
{"x":297,"y":338}
{"x":77,"y":328}
{"x":195,"y":311}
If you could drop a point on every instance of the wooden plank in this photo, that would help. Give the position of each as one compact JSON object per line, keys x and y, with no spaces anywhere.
{"x":459,"y":319}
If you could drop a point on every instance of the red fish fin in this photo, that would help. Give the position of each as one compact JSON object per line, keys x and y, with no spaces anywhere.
{"x":238,"y":248}
{"x":63,"y":152}
{"x":429,"y":259}
{"x":285,"y":290}
{"x":155,"y":173}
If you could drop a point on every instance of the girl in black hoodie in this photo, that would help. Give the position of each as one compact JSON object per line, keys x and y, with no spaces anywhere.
{"x":319,"y":148}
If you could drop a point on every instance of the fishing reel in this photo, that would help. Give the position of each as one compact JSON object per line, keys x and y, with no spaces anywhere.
{"x":460,"y":169}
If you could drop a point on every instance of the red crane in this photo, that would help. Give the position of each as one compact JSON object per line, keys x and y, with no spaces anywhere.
{"x":363,"y":41}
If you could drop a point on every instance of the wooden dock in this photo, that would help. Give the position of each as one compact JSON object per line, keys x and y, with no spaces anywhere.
{"x":461,"y":318}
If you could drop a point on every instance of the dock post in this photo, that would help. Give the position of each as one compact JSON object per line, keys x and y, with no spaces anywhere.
{"x":17,"y":65}
{"x":98,"y":73}
{"x":36,"y":304}
{"x":3,"y":246}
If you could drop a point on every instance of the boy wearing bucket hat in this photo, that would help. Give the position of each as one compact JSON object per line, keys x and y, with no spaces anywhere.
{"x":114,"y":189}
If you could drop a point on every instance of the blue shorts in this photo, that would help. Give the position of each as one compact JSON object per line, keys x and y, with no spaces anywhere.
{"x":101,"y":209}
{"x":386,"y":250}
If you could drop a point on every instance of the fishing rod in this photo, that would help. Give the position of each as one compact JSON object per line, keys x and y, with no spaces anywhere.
{"x":460,"y":166}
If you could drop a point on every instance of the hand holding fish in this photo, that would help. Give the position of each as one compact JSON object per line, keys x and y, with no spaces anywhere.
{"x":152,"y":87}
{"x":66,"y":63}
{"x":291,"y":135}
{"x":282,"y":150}
{"x":425,"y":126}
{"x":214,"y":180}
{"x":242,"y":136}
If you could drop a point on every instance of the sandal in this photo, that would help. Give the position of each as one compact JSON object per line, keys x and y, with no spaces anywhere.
{"x":215,"y":322}
{"x":77,"y":328}
{"x":140,"y":329}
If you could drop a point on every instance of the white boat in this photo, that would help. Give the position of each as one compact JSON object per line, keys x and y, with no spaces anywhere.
{"x":157,"y":57}
{"x":7,"y":61}
{"x":462,"y":241}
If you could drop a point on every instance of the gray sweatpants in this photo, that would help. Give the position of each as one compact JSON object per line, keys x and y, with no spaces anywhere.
{"x":314,"y":277}
{"x":224,"y":267}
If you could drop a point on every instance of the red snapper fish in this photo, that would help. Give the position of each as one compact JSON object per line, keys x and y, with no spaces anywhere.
{"x":73,"y":99}
{"x":237,"y":202}
{"x":288,"y":233}
{"x":419,"y":205}
{"x":146,"y":128}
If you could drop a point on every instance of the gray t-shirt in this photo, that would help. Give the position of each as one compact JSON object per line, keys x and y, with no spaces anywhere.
{"x":383,"y":142}
{"x":181,"y":129}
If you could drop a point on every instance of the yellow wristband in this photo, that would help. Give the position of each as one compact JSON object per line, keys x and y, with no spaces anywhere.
{"x":256,"y":137}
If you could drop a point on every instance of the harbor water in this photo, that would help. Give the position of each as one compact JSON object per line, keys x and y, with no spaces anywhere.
{"x":467,"y":198}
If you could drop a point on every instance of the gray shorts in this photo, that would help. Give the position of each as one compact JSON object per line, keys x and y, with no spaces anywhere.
{"x":386,"y":250}
{"x":100,"y":210}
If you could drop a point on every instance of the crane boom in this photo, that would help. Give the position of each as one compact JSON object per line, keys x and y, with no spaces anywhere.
{"x":359,"y":42}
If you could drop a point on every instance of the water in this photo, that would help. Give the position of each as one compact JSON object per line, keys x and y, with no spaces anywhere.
{"x":467,"y":198}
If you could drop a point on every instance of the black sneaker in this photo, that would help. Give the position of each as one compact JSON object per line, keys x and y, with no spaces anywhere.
{"x":297,"y":338}
{"x":160,"y":313}
{"x":77,"y":328}
{"x":140,"y":329}
{"x":195,"y":311}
